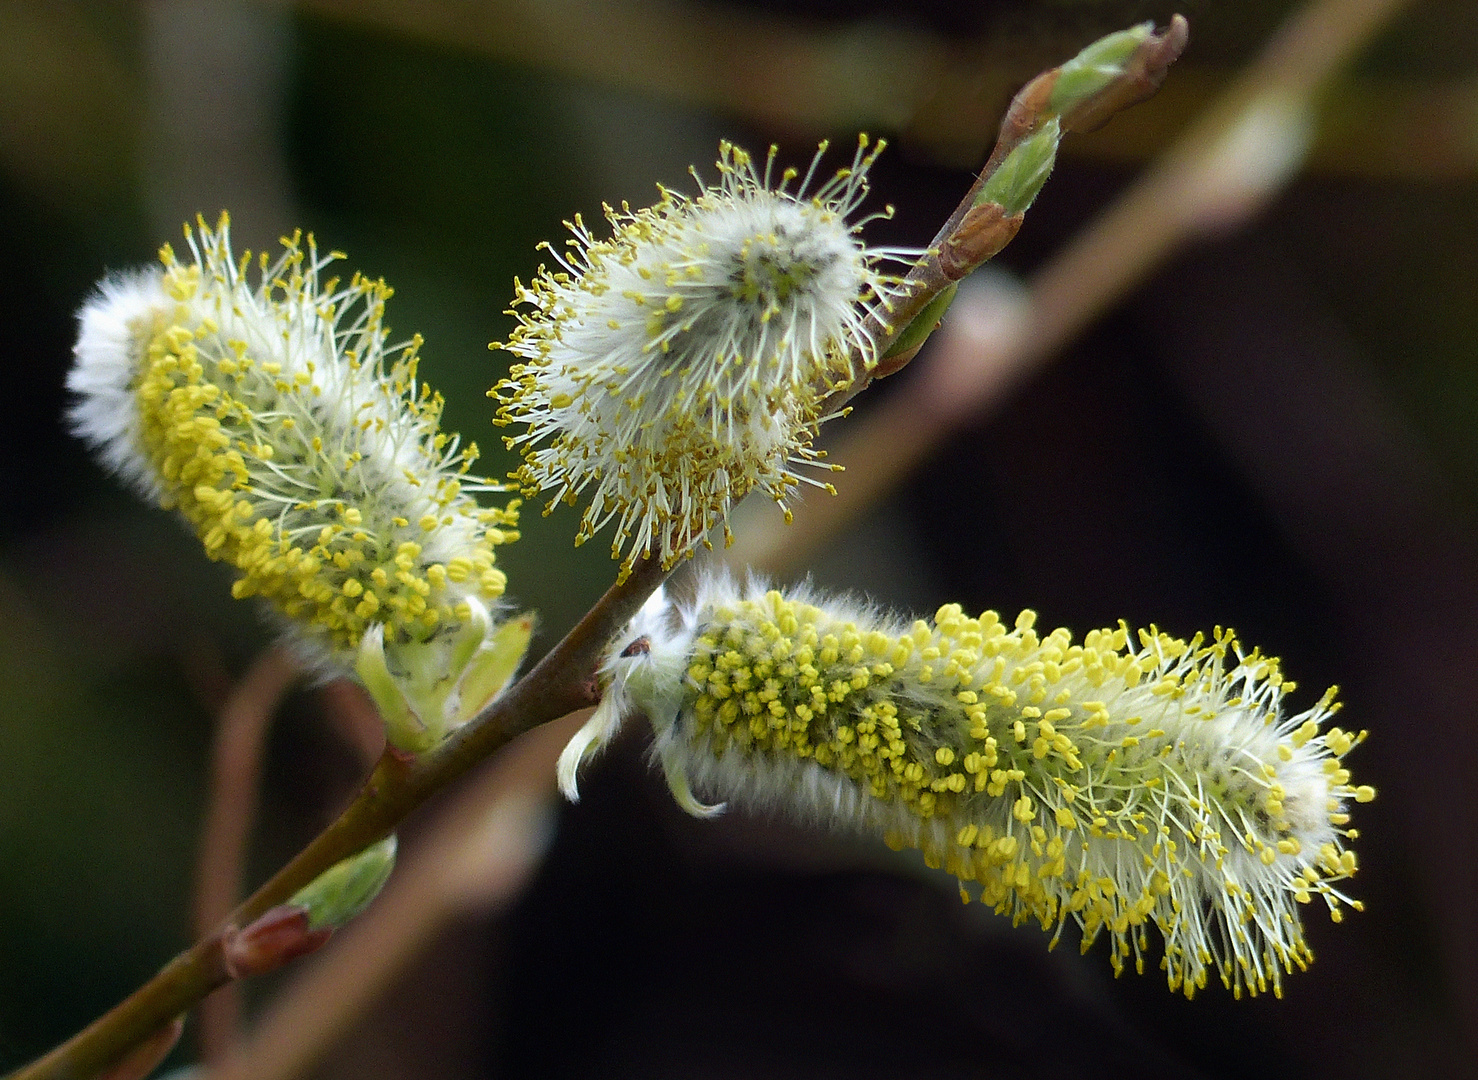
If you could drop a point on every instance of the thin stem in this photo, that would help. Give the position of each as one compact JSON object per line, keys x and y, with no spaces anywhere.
{"x":236,"y":766}
{"x":976,"y":232}
{"x":145,"y":1057}
{"x":1196,"y":186}
{"x":477,"y":853}
{"x":563,"y":681}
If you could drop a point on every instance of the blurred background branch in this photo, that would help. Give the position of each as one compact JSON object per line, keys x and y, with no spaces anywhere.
{"x":236,"y":768}
{"x":942,"y":95}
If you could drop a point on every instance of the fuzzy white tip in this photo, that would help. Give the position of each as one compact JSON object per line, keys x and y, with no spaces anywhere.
{"x":675,"y":772}
{"x":642,"y":660}
{"x":113,"y":331}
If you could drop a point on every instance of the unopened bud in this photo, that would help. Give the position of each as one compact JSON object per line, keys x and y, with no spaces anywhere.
{"x":428,"y":689}
{"x":283,"y":933}
{"x":1096,"y":66}
{"x":1017,"y":180}
{"x":346,"y":888}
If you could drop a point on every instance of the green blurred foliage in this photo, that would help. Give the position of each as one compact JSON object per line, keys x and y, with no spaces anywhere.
{"x":100,"y":789}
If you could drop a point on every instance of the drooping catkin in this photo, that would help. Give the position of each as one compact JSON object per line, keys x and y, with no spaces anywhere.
{"x":1128,"y":780}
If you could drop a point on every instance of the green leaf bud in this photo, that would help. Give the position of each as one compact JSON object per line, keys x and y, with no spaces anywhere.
{"x":1017,"y":180}
{"x":346,"y":888}
{"x":1096,"y":66}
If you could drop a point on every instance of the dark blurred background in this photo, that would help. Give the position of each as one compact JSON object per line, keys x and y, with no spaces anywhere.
{"x":1277,"y":431}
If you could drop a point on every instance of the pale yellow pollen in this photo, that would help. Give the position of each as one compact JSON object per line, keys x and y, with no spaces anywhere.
{"x":1018,"y":746}
{"x":221,"y":426}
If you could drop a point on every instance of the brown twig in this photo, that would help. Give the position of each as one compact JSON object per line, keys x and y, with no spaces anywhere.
{"x":1201,"y":183}
{"x":477,"y":853}
{"x":977,"y":231}
{"x":562,"y":682}
{"x":144,"y":1058}
{"x":235,"y":773}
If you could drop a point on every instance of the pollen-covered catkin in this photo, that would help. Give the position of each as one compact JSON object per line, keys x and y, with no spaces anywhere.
{"x":682,"y":362}
{"x":1129,"y":780}
{"x":269,"y":411}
